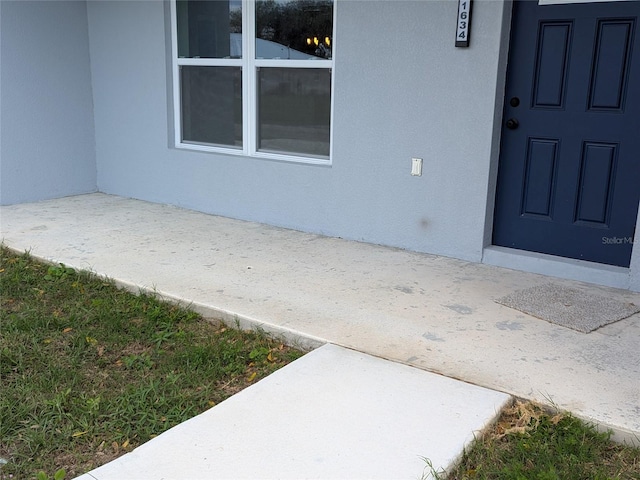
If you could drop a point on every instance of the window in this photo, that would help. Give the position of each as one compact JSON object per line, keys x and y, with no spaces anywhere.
{"x":254,"y":77}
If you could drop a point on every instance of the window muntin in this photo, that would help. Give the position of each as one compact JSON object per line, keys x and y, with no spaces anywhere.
{"x":230,"y":96}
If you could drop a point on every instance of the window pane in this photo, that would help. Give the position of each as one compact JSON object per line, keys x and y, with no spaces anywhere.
{"x":294,"y":29}
{"x":209,"y":29}
{"x":294,"y":111}
{"x":212,"y":105}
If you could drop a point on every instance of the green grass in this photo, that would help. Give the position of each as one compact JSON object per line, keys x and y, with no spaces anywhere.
{"x":531,"y":443}
{"x":90,"y":371}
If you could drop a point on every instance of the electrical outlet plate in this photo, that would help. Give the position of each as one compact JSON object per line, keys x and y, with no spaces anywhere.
{"x":416,"y":167}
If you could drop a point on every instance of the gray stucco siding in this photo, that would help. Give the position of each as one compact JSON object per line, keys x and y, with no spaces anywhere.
{"x":47,"y":131}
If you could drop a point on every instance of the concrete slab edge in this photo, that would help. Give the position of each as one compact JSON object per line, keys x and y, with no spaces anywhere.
{"x":479,"y":434}
{"x":540,"y":263}
{"x":618,"y":434}
{"x":291,"y":337}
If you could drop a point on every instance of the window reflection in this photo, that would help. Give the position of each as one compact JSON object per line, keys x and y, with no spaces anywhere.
{"x":211,"y":104}
{"x":294,"y":29}
{"x":294,"y":111}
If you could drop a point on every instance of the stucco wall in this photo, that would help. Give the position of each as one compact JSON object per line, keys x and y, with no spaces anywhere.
{"x":401,"y":90}
{"x":48,"y":144}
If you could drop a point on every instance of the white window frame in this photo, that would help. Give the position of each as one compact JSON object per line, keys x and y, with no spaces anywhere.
{"x":249,"y":65}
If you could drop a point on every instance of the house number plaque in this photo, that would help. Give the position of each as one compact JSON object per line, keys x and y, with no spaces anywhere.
{"x":464,"y":21}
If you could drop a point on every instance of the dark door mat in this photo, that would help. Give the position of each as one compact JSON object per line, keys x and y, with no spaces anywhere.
{"x":569,"y":307}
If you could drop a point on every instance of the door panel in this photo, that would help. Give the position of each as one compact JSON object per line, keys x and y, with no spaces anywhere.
{"x":539,"y":176}
{"x":611,"y":65}
{"x":596,"y":181}
{"x":551,"y":65}
{"x":569,"y":174}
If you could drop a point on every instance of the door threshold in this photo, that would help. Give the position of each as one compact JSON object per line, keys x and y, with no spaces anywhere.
{"x":569,"y":268}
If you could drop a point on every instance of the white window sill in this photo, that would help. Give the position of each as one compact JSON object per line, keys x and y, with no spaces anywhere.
{"x":259,"y":155}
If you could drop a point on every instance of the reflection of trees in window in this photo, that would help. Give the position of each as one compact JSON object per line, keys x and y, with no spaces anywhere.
{"x":235,"y":21}
{"x":302,"y":25}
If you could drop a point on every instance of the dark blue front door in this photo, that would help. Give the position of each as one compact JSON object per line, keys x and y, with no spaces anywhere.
{"x":569,"y":174}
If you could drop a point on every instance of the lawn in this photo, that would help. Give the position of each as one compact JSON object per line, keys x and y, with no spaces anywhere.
{"x":530,"y":442}
{"x":90,"y":371}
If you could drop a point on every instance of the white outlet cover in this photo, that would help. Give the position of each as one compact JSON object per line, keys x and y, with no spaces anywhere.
{"x":416,"y":167}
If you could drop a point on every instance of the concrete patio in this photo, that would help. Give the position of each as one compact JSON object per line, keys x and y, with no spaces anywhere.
{"x":434,"y":313}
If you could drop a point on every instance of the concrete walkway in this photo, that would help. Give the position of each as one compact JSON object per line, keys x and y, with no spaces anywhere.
{"x":333,"y":414}
{"x":434,"y":313}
